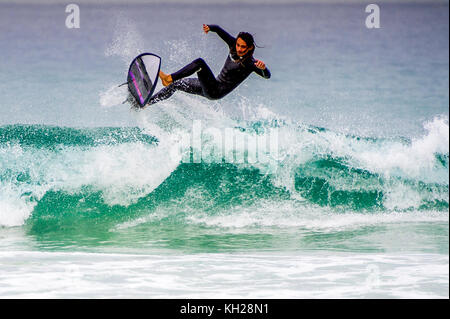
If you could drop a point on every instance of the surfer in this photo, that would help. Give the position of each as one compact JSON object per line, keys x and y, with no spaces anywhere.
{"x":238,"y":66}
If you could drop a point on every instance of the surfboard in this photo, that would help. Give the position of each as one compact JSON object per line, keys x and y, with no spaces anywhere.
{"x":143,"y":77}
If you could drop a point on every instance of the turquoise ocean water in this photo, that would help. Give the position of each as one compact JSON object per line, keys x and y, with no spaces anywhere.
{"x":346,"y":197}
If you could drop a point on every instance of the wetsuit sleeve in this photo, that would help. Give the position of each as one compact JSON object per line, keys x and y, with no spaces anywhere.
{"x":229,"y":39}
{"x":264,"y":73}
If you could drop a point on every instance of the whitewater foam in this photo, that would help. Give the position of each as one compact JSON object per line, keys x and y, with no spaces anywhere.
{"x":415,"y":159}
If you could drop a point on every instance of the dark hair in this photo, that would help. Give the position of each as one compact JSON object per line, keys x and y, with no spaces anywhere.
{"x":248,"y":39}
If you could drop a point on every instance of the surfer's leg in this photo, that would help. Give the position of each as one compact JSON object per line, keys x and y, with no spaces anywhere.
{"x":205,"y":85}
{"x":198,"y":65}
{"x":205,"y":76}
{"x":208,"y":82}
{"x":190,"y":85}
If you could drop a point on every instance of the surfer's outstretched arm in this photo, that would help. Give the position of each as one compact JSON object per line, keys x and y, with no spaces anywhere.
{"x":229,"y":39}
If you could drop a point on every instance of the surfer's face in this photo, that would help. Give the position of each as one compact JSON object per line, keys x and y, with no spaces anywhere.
{"x":241,"y":47}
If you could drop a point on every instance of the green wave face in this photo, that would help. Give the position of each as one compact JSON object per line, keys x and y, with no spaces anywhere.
{"x":331,"y":182}
{"x":117,"y":186}
{"x":191,"y":191}
{"x":41,"y":136}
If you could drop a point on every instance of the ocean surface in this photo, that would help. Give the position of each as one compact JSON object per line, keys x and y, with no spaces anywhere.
{"x":329,"y":180}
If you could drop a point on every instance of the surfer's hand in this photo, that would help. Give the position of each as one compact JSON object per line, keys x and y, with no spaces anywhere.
{"x":260,"y":65}
{"x":205,"y":28}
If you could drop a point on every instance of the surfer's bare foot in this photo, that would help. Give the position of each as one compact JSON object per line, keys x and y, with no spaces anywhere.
{"x":166,"y":79}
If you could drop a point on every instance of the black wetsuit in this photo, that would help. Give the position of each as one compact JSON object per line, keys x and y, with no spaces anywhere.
{"x":235,"y":70}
